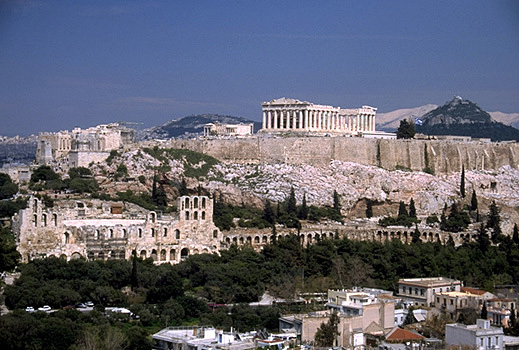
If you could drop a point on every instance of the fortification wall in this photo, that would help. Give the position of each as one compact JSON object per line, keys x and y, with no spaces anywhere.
{"x":438,"y":155}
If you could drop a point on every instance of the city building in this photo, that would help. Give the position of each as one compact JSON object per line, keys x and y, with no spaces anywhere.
{"x":96,"y":229}
{"x":453,"y":303}
{"x":220,"y":129}
{"x":288,"y":114}
{"x":200,"y":338}
{"x":499,"y":310}
{"x":360,"y":313}
{"x":481,"y":336}
{"x":421,"y":291}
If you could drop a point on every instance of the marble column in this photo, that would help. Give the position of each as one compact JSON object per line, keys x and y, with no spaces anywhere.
{"x":269,"y":119}
{"x":275,"y":119}
{"x":306,"y":119}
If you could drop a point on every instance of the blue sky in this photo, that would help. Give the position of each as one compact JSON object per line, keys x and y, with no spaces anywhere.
{"x":82,"y":63}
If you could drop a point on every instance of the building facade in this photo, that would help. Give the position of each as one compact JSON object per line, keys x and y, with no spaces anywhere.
{"x":95,"y":229}
{"x":421,"y":291}
{"x":480,"y":336}
{"x":287,"y":114}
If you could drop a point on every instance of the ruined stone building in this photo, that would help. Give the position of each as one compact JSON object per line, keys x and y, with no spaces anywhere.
{"x":288,"y":114}
{"x":224,"y":129}
{"x":96,"y":229}
{"x":82,"y":146}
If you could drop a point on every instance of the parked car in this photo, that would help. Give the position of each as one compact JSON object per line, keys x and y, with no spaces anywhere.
{"x":81,"y":305}
{"x":89,"y":304}
{"x":45,"y":308}
{"x":29,"y":309}
{"x":68,"y":307}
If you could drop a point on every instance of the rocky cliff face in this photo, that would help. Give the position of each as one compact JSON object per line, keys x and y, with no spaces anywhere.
{"x":252,"y":184}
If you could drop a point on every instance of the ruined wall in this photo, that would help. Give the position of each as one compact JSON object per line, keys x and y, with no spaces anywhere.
{"x":438,"y":155}
{"x":94,"y":229}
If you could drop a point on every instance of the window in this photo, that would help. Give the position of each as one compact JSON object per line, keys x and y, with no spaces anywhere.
{"x":177,"y":234}
{"x":165,"y":231}
{"x":111,"y":233}
{"x":140,"y":233}
{"x":187,"y":215}
{"x":152,"y":232}
{"x":403,"y":289}
{"x":416,"y":291}
{"x":215,"y":234}
{"x":203,"y":215}
{"x":452,"y":302}
{"x":422,"y":292}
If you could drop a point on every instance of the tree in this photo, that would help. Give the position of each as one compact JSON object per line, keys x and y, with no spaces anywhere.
{"x":474,"y":201}
{"x":44,"y":173}
{"x":406,"y":130}
{"x":327,"y":333}
{"x":483,"y":240}
{"x":291,"y":204}
{"x":484,"y":313}
{"x":9,"y":256}
{"x":268,"y":213}
{"x":402,"y":210}
{"x":134,"y":279}
{"x":79,"y":172}
{"x":336,"y":202}
{"x":412,"y":209}
{"x":462,"y":181}
{"x":369,"y":209}
{"x":494,"y":221}
{"x":7,"y":187}
{"x":416,"y":235}
{"x":409,"y":318}
{"x":303,"y":210}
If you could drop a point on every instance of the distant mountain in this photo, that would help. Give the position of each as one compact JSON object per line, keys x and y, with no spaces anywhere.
{"x":464,"y":118}
{"x":391,"y":120}
{"x":192,"y":125}
{"x":17,"y":150}
{"x":511,"y":119}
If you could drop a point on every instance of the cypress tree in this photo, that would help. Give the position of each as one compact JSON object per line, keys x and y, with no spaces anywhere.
{"x":291,"y":204}
{"x":134,"y":280}
{"x":462,"y":182}
{"x":474,"y":201}
{"x":402,"y":210}
{"x":515,"y":235}
{"x":412,"y":209}
{"x":484,"y":314}
{"x":268,"y":213}
{"x":369,"y":209}
{"x":303,"y":211}
{"x":494,"y":221}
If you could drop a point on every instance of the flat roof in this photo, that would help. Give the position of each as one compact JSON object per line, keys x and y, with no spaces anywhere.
{"x":428,"y":281}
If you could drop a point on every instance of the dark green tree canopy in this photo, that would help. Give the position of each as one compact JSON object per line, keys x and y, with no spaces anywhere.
{"x":406,"y":130}
{"x":7,"y":187}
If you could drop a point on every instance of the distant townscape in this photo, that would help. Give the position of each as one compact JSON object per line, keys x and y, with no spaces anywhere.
{"x":321,"y":226}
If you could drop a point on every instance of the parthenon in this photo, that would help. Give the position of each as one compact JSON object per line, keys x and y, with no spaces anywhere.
{"x":288,"y":114}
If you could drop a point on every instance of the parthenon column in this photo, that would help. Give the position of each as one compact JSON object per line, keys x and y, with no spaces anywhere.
{"x":269,"y":117}
{"x":275,"y":119}
{"x":306,"y":119}
{"x":295,"y":117}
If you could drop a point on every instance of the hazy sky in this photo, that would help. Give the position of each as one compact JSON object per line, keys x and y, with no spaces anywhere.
{"x":82,"y":63}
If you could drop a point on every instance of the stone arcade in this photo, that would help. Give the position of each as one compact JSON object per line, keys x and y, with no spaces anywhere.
{"x":287,"y":114}
{"x":94,"y":229}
